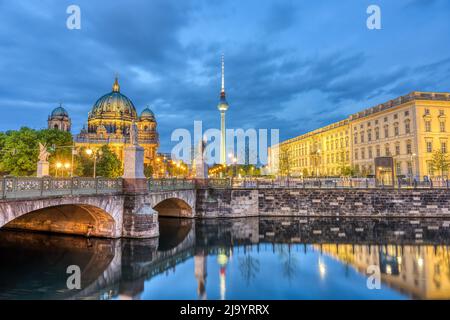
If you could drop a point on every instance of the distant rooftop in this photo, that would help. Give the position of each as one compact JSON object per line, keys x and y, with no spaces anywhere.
{"x":415,"y":95}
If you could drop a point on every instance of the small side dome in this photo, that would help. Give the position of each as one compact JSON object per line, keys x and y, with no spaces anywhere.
{"x":59,"y":112}
{"x":147,"y":114}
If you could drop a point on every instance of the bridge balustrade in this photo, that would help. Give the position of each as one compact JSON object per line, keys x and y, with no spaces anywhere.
{"x":29,"y":187}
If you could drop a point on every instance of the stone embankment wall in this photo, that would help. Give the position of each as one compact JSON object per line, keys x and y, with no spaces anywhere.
{"x":319,"y":202}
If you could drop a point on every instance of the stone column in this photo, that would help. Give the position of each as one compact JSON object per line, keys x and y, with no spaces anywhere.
{"x":43,"y":169}
{"x":139,"y":218}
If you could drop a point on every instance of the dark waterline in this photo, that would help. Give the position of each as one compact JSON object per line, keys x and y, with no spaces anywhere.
{"x":251,"y":258}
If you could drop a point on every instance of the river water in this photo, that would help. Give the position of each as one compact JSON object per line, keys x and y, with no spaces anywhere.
{"x":251,"y":258}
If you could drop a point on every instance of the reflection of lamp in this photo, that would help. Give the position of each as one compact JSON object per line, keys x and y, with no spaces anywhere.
{"x":420,"y":262}
{"x":322,"y":269}
{"x":388,"y":269}
{"x":222,"y":260}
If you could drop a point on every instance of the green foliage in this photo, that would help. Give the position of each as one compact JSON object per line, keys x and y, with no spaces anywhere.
{"x":20,"y":152}
{"x":148,"y":171}
{"x":440,"y":162}
{"x":108,"y":164}
{"x":20,"y":149}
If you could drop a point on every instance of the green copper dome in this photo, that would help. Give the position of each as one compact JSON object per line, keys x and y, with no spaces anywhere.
{"x":114,"y":104}
{"x":147,"y":114}
{"x":59,"y":112}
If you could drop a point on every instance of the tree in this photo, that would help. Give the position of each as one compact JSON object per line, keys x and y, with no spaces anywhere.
{"x":284,"y":161}
{"x":440,"y":162}
{"x":148,"y":170}
{"x":108,"y":164}
{"x":20,"y":149}
{"x":59,"y":143}
{"x":20,"y":152}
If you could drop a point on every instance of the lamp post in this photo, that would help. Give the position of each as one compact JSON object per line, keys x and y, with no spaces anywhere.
{"x":67,"y":166}
{"x":90,"y":152}
{"x":58,"y":166}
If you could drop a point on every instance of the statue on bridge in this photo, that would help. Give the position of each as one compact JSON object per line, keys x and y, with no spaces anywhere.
{"x":43,"y":165}
{"x":43,"y":153}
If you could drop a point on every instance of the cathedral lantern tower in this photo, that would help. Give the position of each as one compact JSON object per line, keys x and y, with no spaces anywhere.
{"x":59,"y":119}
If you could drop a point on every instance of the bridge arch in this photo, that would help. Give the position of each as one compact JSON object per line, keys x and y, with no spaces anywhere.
{"x":97,"y":216}
{"x":174,"y":207}
{"x":178,"y":203}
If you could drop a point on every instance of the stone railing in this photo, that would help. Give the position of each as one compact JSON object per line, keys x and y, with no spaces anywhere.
{"x":320,"y":183}
{"x":170,"y":184}
{"x":28,"y":187}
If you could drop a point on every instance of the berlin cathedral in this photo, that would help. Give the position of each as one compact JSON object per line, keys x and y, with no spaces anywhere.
{"x":109,"y":123}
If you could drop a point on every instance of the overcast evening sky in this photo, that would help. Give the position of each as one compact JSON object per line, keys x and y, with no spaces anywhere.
{"x":293,"y":65}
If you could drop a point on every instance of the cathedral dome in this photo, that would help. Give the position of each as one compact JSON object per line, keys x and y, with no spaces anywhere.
{"x":114,"y":105}
{"x":59,"y":112}
{"x":147,"y":114}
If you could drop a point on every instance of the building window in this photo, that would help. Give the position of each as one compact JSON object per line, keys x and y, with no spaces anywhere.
{"x":441,"y":113}
{"x":377,"y":133}
{"x":378,"y":151}
{"x":410,"y":169}
{"x":347,"y":156}
{"x":428,"y":126}
{"x":363,"y":154}
{"x":430,"y":168}
{"x":356,"y":154}
{"x":386,"y":131}
{"x":346,"y":141}
{"x":395,"y":116}
{"x":369,"y":135}
{"x":385,"y":119}
{"x":370,"y":153}
{"x":396,"y":132}
{"x":362,"y":136}
{"x":442,"y":126}
{"x":397,"y":149}
{"x":427,"y":112}
{"x":355,"y":138}
{"x":398,"y":168}
{"x":408,"y":147}
{"x":387,"y":152}
{"x":443,"y":146}
{"x":407,"y":126}
{"x":429,"y":146}
{"x":406,"y":113}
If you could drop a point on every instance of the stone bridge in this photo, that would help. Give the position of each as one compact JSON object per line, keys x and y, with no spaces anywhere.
{"x":91,"y":207}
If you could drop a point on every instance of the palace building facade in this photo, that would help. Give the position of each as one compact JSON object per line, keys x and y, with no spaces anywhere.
{"x":408,"y":129}
{"x":109,"y":123}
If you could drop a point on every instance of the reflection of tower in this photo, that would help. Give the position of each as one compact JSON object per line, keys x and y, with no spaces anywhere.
{"x":200,"y":274}
{"x":223,"y":107}
{"x":222,"y":260}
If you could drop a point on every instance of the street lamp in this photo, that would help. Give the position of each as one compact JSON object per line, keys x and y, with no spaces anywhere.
{"x":90,"y":152}
{"x":67,"y":166}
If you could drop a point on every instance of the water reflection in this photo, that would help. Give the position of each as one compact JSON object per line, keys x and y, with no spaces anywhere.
{"x":273,"y":258}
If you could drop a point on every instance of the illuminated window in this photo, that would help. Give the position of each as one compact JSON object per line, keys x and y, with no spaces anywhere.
{"x":407,"y":126}
{"x":429,"y":146}
{"x":443,"y":146}
{"x":408,"y":147}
